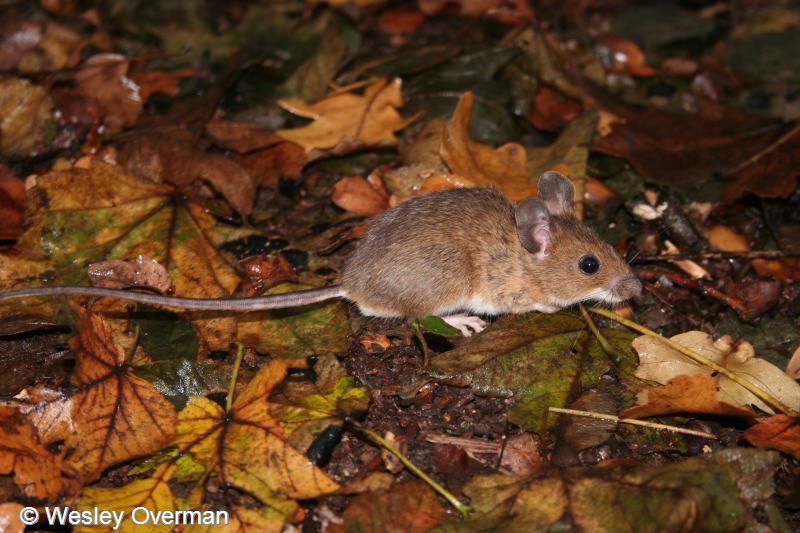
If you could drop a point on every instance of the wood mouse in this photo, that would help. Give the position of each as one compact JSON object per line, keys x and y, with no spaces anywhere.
{"x":451,"y":252}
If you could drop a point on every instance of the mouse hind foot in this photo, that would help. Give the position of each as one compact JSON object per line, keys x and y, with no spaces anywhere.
{"x":465,"y":323}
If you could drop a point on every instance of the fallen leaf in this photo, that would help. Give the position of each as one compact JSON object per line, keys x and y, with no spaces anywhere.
{"x":18,"y":34}
{"x":143,"y":271}
{"x":241,"y":137}
{"x":38,"y":473}
{"x":622,"y":56}
{"x":787,"y":268}
{"x":344,"y":122}
{"x":356,"y":195}
{"x":152,"y":82}
{"x":58,"y":48}
{"x":538,"y":359}
{"x":117,"y":415}
{"x":725,"y":239}
{"x":12,"y":201}
{"x":26,"y":111}
{"x":410,"y":506}
{"x":714,"y":492}
{"x":104,"y":78}
{"x":778,"y":432}
{"x":400,"y":19}
{"x":793,"y":366}
{"x":267,"y":166}
{"x":661,"y":363}
{"x":683,"y":394}
{"x":551,"y":110}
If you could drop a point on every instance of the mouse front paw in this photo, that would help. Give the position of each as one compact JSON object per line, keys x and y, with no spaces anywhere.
{"x":464,"y":323}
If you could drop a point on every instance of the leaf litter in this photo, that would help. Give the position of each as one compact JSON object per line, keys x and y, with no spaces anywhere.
{"x":241,"y":151}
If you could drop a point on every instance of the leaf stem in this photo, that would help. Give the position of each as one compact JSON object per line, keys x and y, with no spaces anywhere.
{"x":654,"y":425}
{"x":612,"y":354}
{"x":426,"y":356}
{"x":234,"y":375}
{"x":462,"y":508}
{"x":760,"y":393}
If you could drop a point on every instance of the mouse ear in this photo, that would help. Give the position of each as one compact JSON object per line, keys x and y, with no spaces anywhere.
{"x":533,"y":226}
{"x":558,"y":193}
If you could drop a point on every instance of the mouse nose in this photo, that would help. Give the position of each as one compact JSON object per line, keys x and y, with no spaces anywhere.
{"x":628,"y":287}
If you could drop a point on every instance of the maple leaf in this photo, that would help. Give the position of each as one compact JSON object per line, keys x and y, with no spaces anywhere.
{"x":117,"y":415}
{"x":38,"y":472}
{"x":344,"y":121}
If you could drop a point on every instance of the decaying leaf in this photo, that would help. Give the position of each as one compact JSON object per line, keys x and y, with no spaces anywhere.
{"x":357,"y":195}
{"x":39,"y":473}
{"x":117,"y":415}
{"x":710,"y":493}
{"x":538,"y":359}
{"x":143,"y":271}
{"x":410,"y":506}
{"x":661,"y":363}
{"x":104,"y":77}
{"x":27,"y":116}
{"x":344,"y":121}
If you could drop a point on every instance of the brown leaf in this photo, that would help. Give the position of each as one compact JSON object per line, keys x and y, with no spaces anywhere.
{"x":793,"y":366}
{"x":38,"y":473}
{"x":345,"y":121}
{"x":143,"y":271}
{"x":166,"y":82}
{"x":240,"y":137}
{"x":552,"y":110}
{"x":262,"y":272}
{"x":476,"y":164}
{"x":725,"y":239}
{"x":684,"y":394}
{"x":400,"y":19}
{"x":26,"y":111}
{"x":12,"y":201}
{"x":778,"y":432}
{"x":267,"y":166}
{"x":117,"y":415}
{"x":787,"y":268}
{"x":356,"y":195}
{"x":10,"y":521}
{"x":622,"y":56}
{"x":771,"y":174}
{"x":411,"y":507}
{"x":17,"y":35}
{"x":104,"y":77}
{"x":59,"y":48}
{"x":230,"y":179}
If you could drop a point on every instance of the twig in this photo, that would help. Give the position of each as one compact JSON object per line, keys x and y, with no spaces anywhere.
{"x":734,"y":303}
{"x":234,"y":375}
{"x":600,"y":338}
{"x":756,"y":254}
{"x":462,"y":508}
{"x":426,"y":356}
{"x":691,"y":354}
{"x":633,"y":421}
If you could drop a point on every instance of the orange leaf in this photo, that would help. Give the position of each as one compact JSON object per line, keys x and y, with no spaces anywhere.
{"x":778,"y":432}
{"x":477,"y":164}
{"x":685,"y":394}
{"x":241,"y":137}
{"x":344,"y":121}
{"x":117,"y":414}
{"x":160,"y":81}
{"x":39,"y":473}
{"x":356,"y":195}
{"x":283,"y":160}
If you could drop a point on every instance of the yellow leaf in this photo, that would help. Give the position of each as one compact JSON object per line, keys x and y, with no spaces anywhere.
{"x":344,"y":121}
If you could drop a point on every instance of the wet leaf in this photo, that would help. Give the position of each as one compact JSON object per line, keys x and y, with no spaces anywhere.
{"x":710,"y":493}
{"x":77,"y":217}
{"x":117,"y":415}
{"x":538,"y":359}
{"x":27,"y":116}
{"x":143,"y":271}
{"x":356,"y":195}
{"x":178,"y":379}
{"x":435,"y":324}
{"x":344,"y":121}
{"x":104,"y":77}
{"x":296,"y":332}
{"x":12,"y":199}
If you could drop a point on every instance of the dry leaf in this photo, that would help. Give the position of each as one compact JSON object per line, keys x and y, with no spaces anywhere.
{"x":684,"y":394}
{"x":58,"y":48}
{"x":725,"y":239}
{"x":160,"y":81}
{"x":240,"y":137}
{"x":778,"y":432}
{"x":143,"y":271}
{"x":25,"y":116}
{"x":344,"y":121}
{"x":356,"y":195}
{"x":476,"y":164}
{"x":39,"y":473}
{"x":117,"y":414}
{"x":661,"y":363}
{"x":267,"y":166}
{"x":793,"y":366}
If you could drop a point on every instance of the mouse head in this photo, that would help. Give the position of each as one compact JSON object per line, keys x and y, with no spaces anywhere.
{"x":576,"y":263}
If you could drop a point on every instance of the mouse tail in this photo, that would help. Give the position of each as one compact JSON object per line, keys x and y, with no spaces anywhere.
{"x":258,"y":303}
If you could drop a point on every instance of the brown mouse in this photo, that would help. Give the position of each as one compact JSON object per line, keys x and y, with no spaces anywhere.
{"x":451,"y":252}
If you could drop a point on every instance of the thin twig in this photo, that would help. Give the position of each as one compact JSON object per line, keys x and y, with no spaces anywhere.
{"x":633,"y":421}
{"x":426,"y":356}
{"x":760,"y":393}
{"x":754,"y":159}
{"x":599,"y":336}
{"x":755,"y":254}
{"x":734,"y":303}
{"x":462,"y":508}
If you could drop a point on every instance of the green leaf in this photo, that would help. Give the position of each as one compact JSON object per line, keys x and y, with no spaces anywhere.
{"x":538,"y":359}
{"x":437,"y":326}
{"x":165,"y":335}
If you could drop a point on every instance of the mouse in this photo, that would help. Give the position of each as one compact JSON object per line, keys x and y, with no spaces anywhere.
{"x":457,"y":254}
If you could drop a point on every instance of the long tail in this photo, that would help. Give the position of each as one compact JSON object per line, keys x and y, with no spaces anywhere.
{"x":258,"y":303}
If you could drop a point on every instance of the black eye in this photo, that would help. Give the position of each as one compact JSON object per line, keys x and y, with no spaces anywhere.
{"x":588,"y":264}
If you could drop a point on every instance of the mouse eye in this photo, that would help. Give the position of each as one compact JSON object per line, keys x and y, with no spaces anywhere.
{"x":588,"y":264}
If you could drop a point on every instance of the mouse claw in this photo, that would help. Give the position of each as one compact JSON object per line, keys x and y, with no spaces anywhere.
{"x":463,"y":322}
